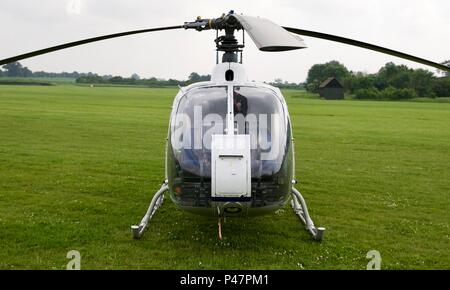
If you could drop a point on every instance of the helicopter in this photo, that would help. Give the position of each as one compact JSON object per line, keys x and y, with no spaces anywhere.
{"x":230,"y":146}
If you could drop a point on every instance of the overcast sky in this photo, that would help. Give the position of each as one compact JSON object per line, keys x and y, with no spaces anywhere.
{"x":418,"y":27}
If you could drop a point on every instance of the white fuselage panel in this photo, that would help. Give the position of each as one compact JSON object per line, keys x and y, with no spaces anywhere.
{"x":230,"y":166}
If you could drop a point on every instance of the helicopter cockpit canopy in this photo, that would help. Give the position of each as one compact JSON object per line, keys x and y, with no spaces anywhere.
{"x":254,"y":111}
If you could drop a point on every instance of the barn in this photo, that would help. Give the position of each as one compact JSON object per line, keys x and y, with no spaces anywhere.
{"x":331,"y":89}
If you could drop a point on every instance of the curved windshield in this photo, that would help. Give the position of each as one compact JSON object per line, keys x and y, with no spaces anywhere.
{"x":200,"y":114}
{"x":259,"y":113}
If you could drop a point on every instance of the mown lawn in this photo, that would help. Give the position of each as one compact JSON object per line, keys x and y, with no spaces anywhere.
{"x":78,"y":166}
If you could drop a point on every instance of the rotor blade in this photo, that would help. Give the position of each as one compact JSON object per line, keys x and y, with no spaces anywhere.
{"x":81,"y":42}
{"x":269,"y":36}
{"x":366,"y":46}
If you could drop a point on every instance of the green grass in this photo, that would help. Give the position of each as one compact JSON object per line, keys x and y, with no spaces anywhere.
{"x":434,"y":100}
{"x":303,"y":94}
{"x":79,"y":165}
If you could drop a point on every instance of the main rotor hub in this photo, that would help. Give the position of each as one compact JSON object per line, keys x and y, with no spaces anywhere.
{"x":226,"y":43}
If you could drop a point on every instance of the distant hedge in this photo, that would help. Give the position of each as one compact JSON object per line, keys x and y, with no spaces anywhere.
{"x":389,"y":93}
{"x":23,"y":83}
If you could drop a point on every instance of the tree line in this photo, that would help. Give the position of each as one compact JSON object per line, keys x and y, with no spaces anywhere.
{"x":135,"y":80}
{"x":15,"y":69}
{"x":390,"y":82}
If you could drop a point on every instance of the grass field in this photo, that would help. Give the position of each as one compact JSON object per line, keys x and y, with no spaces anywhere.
{"x":79,"y":165}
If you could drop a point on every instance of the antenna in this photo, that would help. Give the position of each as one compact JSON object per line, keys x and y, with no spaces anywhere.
{"x":243,"y":43}
{"x":217,"y":51}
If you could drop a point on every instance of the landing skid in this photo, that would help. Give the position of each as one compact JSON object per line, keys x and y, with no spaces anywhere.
{"x":157,"y":201}
{"x":301,"y":210}
{"x":298,"y":204}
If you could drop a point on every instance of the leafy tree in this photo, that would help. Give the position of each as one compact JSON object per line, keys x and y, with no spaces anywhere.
{"x":416,"y":82}
{"x":313,"y":86}
{"x":441,"y":87}
{"x":278,"y":81}
{"x":15,"y":69}
{"x":398,"y":76}
{"x":286,"y":85}
{"x":359,"y":80}
{"x":402,"y":77}
{"x":195,"y":77}
{"x":445,"y":73}
{"x":320,"y":72}
{"x":12,"y":69}
{"x":422,"y":83}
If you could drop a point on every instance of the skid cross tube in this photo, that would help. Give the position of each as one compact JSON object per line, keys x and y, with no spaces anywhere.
{"x":301,"y":210}
{"x":157,"y":201}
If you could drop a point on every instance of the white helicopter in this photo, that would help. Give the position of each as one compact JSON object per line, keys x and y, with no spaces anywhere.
{"x":230,"y":149}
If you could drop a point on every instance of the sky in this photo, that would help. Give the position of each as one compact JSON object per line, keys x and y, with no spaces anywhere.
{"x":417,"y":27}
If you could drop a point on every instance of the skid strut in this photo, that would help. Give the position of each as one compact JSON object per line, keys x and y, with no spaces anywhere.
{"x":301,"y":210}
{"x":220,"y":228}
{"x":157,"y":200}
